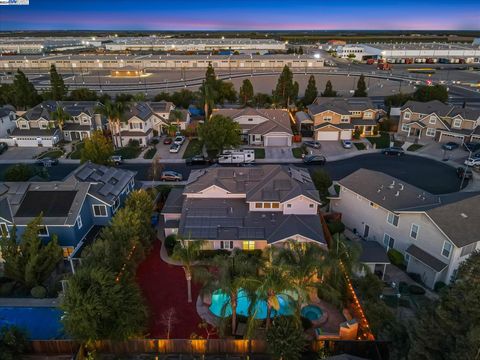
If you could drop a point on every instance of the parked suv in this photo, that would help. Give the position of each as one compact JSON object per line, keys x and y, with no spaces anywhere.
{"x":170,"y":175}
{"x":116,"y":159}
{"x":393,"y":151}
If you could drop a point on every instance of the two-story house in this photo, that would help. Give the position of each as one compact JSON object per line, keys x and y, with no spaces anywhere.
{"x":246,"y":208}
{"x":437,"y":121}
{"x":71,"y":208}
{"x":84,"y":119}
{"x":7,"y":121}
{"x":263,"y":127}
{"x":337,"y":118}
{"x":434,"y":233}
{"x":163,"y":111}
{"x":137,"y":123}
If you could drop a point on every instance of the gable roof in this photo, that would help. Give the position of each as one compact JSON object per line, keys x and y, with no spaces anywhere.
{"x":73,"y":108}
{"x":428,"y":107}
{"x":340,"y":105}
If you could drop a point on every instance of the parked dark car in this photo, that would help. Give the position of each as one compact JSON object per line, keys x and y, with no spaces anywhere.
{"x":167,"y":141}
{"x":314,"y":160}
{"x":197,"y":160}
{"x":450,"y":146}
{"x":393,"y":151}
{"x":461,"y":172}
{"x":472,"y":146}
{"x":3,"y":147}
{"x":312,"y":144}
{"x":46,"y":162}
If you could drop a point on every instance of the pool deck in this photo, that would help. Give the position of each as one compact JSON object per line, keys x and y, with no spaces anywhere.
{"x":29,"y":302}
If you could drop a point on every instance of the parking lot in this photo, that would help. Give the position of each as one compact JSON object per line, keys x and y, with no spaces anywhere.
{"x":22,"y":153}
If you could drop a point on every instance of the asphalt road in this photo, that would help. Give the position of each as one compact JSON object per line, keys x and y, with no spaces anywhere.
{"x":429,"y":175}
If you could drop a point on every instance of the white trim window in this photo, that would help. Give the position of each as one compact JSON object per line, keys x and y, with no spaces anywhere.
{"x":414,"y":231}
{"x":457,"y":123}
{"x":406,"y":115}
{"x":446,"y":249}
{"x":393,"y":219}
{"x":432,"y":119}
{"x":228,"y":245}
{"x":407,"y":258}
{"x":327,"y":118}
{"x":431,"y":132}
{"x":42,"y":231}
{"x":388,"y":241}
{"x":79,"y":222}
{"x":4,"y":229}
{"x":405,"y":127}
{"x":99,"y":210}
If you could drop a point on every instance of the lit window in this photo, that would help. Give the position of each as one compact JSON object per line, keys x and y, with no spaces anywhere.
{"x":266,"y":205}
{"x":431,"y":131}
{"x":447,"y":249}
{"x":258,"y":205}
{"x":414,"y":231}
{"x":392,"y":219}
{"x":79,"y":222}
{"x":406,"y":116}
{"x":275,"y":205}
{"x":99,"y":210}
{"x":249,"y":245}
{"x":67,"y":251}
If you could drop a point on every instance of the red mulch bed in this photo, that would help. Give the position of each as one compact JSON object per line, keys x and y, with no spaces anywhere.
{"x":164,"y":287}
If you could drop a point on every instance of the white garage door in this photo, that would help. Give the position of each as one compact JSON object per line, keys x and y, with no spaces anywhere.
{"x":276,"y":141}
{"x":448,"y":137}
{"x":346,"y":135}
{"x":327,"y":135}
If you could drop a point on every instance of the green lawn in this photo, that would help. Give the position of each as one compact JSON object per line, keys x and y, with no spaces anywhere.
{"x":259,"y":153}
{"x":52,"y":154}
{"x":382,"y":141}
{"x":414,"y":147}
{"x":360,"y":146}
{"x":297,"y":152}
{"x":129,"y":152}
{"x":75,"y":154}
{"x":194,"y":147}
{"x":150,"y":153}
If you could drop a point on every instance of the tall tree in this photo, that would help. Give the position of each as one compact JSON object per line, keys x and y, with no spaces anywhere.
{"x":207,"y":92}
{"x":120,"y":108}
{"x":426,"y":93}
{"x":311,"y":91}
{"x":31,"y":262}
{"x":58,"y":88}
{"x":219,"y":133}
{"x":246,"y":92}
{"x":286,"y":339}
{"x":449,"y":328}
{"x":187,"y":252}
{"x":25,"y":94}
{"x":60,"y":116}
{"x":361,"y":90}
{"x":109,"y":111}
{"x":285,"y":92}
{"x":329,"y":92}
{"x":97,"y":149}
{"x":83,"y":94}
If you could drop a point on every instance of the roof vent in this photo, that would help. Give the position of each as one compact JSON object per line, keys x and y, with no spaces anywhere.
{"x":392,"y":184}
{"x":401,"y":187}
{"x":383,"y":198}
{"x":397,"y":193}
{"x":463,"y":215}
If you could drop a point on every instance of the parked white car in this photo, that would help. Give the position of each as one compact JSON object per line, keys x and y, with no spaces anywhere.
{"x":472,"y":162}
{"x":175,"y":148}
{"x":347,"y":144}
{"x":179,"y":140}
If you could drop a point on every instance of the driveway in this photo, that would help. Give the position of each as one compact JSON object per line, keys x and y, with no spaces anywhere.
{"x":278,"y":153}
{"x":435,"y":149}
{"x":164,"y":150}
{"x":332,"y":148}
{"x":22,"y":153}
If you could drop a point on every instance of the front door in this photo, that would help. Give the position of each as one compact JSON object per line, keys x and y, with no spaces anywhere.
{"x":366,"y":230}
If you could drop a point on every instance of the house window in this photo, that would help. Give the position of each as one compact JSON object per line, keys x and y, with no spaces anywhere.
{"x":388,"y":241}
{"x":3,"y":229}
{"x":250,"y":119}
{"x":407,"y":258}
{"x":373,"y":205}
{"x":447,"y":249}
{"x":432,"y":119}
{"x":116,"y":204}
{"x":267,"y":205}
{"x":414,"y":231}
{"x":457,"y":123}
{"x":226,"y":244}
{"x":311,"y":206}
{"x":99,"y":210}
{"x":431,"y":131}
{"x":367,"y":115}
{"x":79,"y":222}
{"x":275,"y":205}
{"x":405,"y":127}
{"x":289,"y":205}
{"x":248,"y":245}
{"x":67,"y":251}
{"x":327,"y":118}
{"x":406,"y":116}
{"x":42,"y":230}
{"x":392,"y":219}
{"x":258,"y":205}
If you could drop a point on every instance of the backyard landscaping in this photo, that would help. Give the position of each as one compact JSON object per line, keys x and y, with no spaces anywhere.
{"x":359,"y":146}
{"x":194,"y":147}
{"x":298,"y":152}
{"x":150,"y":153}
{"x":76,"y":153}
{"x":381,"y":141}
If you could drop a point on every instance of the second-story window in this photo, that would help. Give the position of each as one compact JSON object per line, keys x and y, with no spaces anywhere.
{"x":406,"y":116}
{"x":457,"y":123}
{"x":414,"y":231}
{"x":433,"y":119}
{"x":392,"y":219}
{"x":327,"y":118}
{"x":447,"y":249}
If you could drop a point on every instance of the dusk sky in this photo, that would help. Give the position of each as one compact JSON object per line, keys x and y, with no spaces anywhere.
{"x":241,"y":15}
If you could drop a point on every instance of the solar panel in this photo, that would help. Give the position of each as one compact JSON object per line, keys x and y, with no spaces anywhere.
{"x":85,"y":173}
{"x":106,"y":189}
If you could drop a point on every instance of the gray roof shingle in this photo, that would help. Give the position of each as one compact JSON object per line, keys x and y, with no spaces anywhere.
{"x":424,"y":257}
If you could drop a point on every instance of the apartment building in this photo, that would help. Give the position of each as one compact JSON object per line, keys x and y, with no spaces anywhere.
{"x":246,"y":208}
{"x":338,"y":118}
{"x":437,"y":121}
{"x":263,"y":127}
{"x":434,"y":233}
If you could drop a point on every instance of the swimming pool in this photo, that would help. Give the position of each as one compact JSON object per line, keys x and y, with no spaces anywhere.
{"x":312,"y":312}
{"x":40,"y":323}
{"x":219,"y":299}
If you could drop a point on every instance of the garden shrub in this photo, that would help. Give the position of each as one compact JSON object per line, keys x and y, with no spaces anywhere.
{"x":38,"y":292}
{"x":336,"y":227}
{"x":210,"y":254}
{"x":416,"y":290}
{"x":6,"y":289}
{"x":396,"y":257}
{"x":375,"y":131}
{"x":170,"y":242}
{"x":439,"y":285}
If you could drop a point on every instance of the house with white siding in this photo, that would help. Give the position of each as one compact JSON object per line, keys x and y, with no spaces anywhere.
{"x":7,"y":121}
{"x":434,"y":233}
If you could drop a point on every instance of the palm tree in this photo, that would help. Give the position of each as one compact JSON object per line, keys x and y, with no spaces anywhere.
{"x":109,"y":111}
{"x":120,"y":108}
{"x":187,"y":252}
{"x":233,"y":273}
{"x":60,"y":116}
{"x":208,"y":97}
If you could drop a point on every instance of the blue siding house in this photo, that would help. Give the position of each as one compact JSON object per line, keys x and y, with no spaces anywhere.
{"x":73,"y":209}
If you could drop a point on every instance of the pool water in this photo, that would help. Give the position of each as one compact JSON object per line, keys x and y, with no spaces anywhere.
{"x":40,"y":323}
{"x":221,"y":305}
{"x":312,"y":312}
